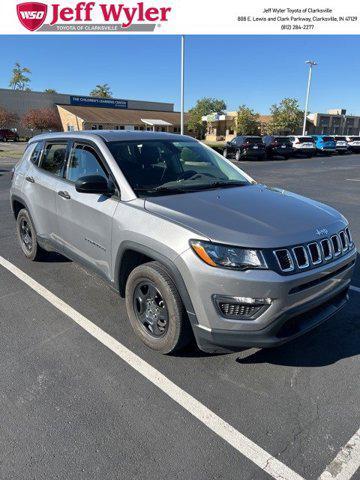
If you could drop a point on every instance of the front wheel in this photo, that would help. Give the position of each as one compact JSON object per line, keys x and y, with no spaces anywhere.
{"x":155,"y":310}
{"x":238,"y":155}
{"x":27,"y":236}
{"x":225,"y":153}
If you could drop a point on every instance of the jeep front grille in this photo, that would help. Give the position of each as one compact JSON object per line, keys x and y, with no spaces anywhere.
{"x":284,"y":260}
{"x":300,"y":257}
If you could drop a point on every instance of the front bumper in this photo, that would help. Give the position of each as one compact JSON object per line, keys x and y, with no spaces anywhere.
{"x":300,"y":302}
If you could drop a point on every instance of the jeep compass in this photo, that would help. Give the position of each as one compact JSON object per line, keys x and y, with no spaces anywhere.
{"x":196,"y":247}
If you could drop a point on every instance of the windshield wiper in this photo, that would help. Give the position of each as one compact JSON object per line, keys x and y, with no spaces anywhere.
{"x":220,"y":184}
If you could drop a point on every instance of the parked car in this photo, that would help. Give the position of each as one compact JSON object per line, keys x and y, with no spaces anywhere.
{"x":353,"y":143}
{"x":245,"y":147}
{"x":6,"y":135}
{"x":278,"y":146}
{"x":341,"y":144}
{"x":304,"y":145}
{"x":192,"y":242}
{"x":325,"y":144}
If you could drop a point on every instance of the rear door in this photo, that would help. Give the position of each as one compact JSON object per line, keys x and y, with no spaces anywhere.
{"x":41,"y":184}
{"x":85,"y":220}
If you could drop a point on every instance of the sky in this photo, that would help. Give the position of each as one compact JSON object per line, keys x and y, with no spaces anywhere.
{"x":254,"y":70}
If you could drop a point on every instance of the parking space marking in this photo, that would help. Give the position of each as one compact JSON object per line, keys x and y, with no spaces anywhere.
{"x":216,"y":424}
{"x":355,"y":289}
{"x":346,"y":462}
{"x":353,"y":179}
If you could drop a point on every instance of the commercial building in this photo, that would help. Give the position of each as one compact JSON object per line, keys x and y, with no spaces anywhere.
{"x":222,"y":126}
{"x":334,"y":122}
{"x":78,"y":112}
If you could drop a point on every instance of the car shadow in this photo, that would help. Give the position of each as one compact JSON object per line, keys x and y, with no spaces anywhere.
{"x":54,"y":257}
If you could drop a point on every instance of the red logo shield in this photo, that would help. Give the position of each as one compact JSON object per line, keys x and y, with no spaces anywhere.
{"x":32,"y":14}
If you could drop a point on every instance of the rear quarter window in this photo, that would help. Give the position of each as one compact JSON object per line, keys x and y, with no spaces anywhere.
{"x":35,"y":156}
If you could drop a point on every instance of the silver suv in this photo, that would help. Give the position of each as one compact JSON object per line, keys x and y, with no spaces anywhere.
{"x":196,"y":247}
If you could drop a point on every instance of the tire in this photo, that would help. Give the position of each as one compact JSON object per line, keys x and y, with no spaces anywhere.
{"x":225,"y":153}
{"x":148,"y":318}
{"x":24,"y":226}
{"x":238,"y":155}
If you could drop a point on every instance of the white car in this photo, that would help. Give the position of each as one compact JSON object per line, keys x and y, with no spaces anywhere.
{"x":342,"y":145}
{"x":353,"y":143}
{"x":303,"y":145}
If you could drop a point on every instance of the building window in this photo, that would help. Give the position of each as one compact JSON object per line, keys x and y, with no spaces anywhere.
{"x":100,"y":127}
{"x":93,"y":127}
{"x":70,"y":128}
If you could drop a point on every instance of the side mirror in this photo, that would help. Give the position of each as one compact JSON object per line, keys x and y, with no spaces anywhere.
{"x":94,"y":184}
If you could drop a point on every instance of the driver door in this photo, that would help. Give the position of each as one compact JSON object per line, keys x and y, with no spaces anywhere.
{"x":85,"y":220}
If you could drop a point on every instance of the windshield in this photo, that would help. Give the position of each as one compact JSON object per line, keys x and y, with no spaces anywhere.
{"x":327,"y":139}
{"x":253,"y":140}
{"x":340,"y":139}
{"x":158,"y":167}
{"x":306,"y":140}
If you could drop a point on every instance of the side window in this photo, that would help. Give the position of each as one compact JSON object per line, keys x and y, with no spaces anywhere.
{"x":35,"y":156}
{"x":84,"y":161}
{"x":53,"y":159}
{"x":233,"y":141}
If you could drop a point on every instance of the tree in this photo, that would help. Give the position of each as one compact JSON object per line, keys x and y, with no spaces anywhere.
{"x":50,"y":90}
{"x":42,"y":119}
{"x":7,"y":119}
{"x":247,"y":121}
{"x":204,"y":106}
{"x":19,"y":79}
{"x":102,"y":91}
{"x":286,"y":116}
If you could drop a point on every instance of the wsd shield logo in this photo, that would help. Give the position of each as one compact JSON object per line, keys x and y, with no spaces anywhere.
{"x":32,"y":14}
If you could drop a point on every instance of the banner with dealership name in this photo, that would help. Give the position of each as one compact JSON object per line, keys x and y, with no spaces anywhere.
{"x":179,"y":17}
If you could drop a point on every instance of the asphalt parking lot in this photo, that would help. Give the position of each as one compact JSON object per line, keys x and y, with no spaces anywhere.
{"x":74,"y":408}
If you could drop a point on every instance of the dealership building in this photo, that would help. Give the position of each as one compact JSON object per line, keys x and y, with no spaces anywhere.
{"x":77,"y":112}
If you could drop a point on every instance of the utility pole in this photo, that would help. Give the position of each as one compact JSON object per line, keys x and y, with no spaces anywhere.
{"x":311,"y":65}
{"x":182,"y":83}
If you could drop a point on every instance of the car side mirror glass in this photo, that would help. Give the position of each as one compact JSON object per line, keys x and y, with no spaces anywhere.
{"x":94,"y":184}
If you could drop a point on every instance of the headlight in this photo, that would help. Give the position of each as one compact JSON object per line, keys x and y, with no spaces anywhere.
{"x":228,"y":257}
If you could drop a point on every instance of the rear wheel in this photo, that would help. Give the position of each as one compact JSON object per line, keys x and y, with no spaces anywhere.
{"x":27,"y":236}
{"x":155,"y":309}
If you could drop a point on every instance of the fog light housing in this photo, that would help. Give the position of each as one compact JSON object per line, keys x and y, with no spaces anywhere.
{"x":240,"y":308}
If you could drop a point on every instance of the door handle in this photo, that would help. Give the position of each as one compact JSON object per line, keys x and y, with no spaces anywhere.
{"x":64,"y":195}
{"x":30,"y":179}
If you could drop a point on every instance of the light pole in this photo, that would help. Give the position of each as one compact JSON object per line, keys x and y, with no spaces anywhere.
{"x":182,"y":84}
{"x":311,"y":65}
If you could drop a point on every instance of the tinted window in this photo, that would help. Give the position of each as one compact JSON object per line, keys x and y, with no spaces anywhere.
{"x":327,"y":139}
{"x":35,"y":156}
{"x":253,"y":140}
{"x":84,"y":161}
{"x":306,"y":139}
{"x":174,"y":166}
{"x":53,"y":159}
{"x":281,"y":139}
{"x":341,"y":139}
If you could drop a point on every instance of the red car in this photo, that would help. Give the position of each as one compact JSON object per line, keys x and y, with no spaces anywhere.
{"x":6,"y":135}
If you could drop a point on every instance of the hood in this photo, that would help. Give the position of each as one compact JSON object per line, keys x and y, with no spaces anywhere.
{"x":252,"y":216}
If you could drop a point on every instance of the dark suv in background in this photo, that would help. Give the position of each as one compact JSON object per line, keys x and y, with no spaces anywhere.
{"x":245,"y":147}
{"x":278,"y":146}
{"x":6,"y":135}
